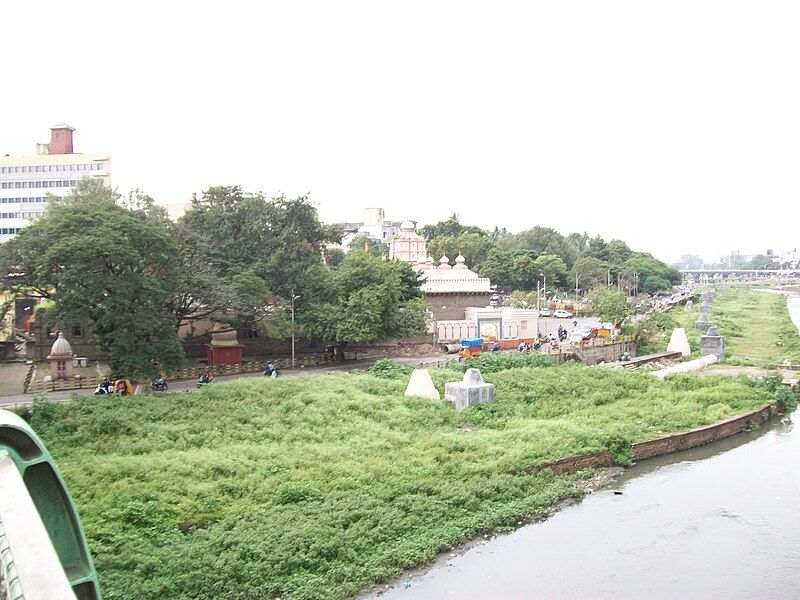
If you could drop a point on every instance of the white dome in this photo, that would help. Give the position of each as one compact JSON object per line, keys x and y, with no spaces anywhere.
{"x":407,"y":226}
{"x":460,"y":260}
{"x":61,"y":347}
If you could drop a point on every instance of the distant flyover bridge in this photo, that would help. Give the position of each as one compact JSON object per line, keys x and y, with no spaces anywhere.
{"x":716,"y":274}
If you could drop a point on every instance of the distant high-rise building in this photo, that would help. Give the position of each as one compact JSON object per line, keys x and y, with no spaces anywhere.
{"x":28,"y":183}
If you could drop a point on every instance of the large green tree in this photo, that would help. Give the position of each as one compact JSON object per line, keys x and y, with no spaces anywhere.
{"x":542,"y":240}
{"x":497,"y":266}
{"x":611,"y":305}
{"x":246,"y":254}
{"x":590,"y":273}
{"x":474,"y":247}
{"x":553,"y":268}
{"x":278,"y":239}
{"x":450,"y":227}
{"x":365,"y":299}
{"x":106,"y":265}
{"x":643,"y":273}
{"x":618,"y":252}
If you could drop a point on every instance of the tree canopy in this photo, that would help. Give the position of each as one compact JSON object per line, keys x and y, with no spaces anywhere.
{"x":108,"y":266}
{"x":451,"y":227}
{"x":366,"y":299}
{"x":611,"y":305}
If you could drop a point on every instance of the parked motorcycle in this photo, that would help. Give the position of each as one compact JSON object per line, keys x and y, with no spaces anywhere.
{"x":105,"y":388}
{"x":159,"y":385}
{"x":271,"y":371}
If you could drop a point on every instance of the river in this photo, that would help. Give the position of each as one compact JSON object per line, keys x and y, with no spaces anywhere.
{"x":713,"y":522}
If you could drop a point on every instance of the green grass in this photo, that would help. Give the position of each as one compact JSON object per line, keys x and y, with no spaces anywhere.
{"x":318,"y":487}
{"x":756,"y":326}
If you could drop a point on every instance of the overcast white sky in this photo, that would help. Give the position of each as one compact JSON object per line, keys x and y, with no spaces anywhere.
{"x":672,"y":125}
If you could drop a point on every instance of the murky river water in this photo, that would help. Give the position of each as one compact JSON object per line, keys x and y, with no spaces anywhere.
{"x":722,"y":521}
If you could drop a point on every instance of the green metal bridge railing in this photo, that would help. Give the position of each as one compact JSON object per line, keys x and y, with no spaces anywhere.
{"x":43,"y":550}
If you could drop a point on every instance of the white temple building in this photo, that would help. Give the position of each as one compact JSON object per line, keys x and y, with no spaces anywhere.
{"x":461,"y":304}
{"x":408,"y":245}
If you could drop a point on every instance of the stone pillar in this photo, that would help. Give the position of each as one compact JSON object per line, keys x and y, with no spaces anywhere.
{"x":705,"y":307}
{"x":470,"y":390}
{"x":712,"y":343}
{"x":702,"y":323}
{"x":690,"y":305}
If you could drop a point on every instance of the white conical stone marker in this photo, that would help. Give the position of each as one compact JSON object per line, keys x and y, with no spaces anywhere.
{"x":679,"y":342}
{"x":421,"y":385}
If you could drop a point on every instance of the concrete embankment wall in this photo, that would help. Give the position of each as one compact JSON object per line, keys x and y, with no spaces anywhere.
{"x":593,"y":354}
{"x":701,"y":435}
{"x":665,"y":445}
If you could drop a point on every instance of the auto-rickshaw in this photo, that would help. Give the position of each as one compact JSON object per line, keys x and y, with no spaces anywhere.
{"x":470,"y":347}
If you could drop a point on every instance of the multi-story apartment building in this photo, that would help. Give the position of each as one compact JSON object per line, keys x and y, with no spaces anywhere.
{"x":28,"y":183}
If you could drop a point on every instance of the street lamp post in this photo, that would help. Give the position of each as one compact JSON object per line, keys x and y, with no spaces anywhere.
{"x":544,"y":293}
{"x":293,"y":299}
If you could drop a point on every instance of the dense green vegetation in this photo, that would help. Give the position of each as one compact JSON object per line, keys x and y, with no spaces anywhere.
{"x":134,"y":277}
{"x":756,"y":326}
{"x":320,"y":486}
{"x":489,"y":362}
{"x":519,"y":260}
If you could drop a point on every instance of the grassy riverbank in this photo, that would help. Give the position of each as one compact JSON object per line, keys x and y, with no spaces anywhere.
{"x":756,"y":326}
{"x":319,"y":487}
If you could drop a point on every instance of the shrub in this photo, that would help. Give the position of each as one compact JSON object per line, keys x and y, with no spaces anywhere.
{"x":786,"y":397}
{"x":494,"y":362}
{"x":772,"y":382}
{"x":620,"y":450}
{"x":294,"y":492}
{"x":389,"y":369}
{"x":651,"y":332}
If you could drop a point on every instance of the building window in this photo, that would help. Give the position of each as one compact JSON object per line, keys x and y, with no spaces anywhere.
{"x":77,"y":331}
{"x":253,"y":334}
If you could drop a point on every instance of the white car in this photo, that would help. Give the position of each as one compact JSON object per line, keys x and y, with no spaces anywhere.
{"x":544,"y":312}
{"x":562,"y":314}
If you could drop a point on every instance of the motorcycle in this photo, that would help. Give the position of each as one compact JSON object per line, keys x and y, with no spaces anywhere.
{"x":204,"y":381}
{"x":271,"y":371}
{"x":159,"y":385}
{"x":106,"y":388}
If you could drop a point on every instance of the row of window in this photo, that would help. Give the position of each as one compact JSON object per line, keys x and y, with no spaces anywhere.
{"x":10,"y":230}
{"x":33,"y":200}
{"x":15,"y":185}
{"x":52,"y":168}
{"x":21,"y":215}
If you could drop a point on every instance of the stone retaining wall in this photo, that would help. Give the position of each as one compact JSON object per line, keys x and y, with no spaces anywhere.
{"x":573,"y":464}
{"x":701,"y":435}
{"x":595,"y":352}
{"x":665,"y":445}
